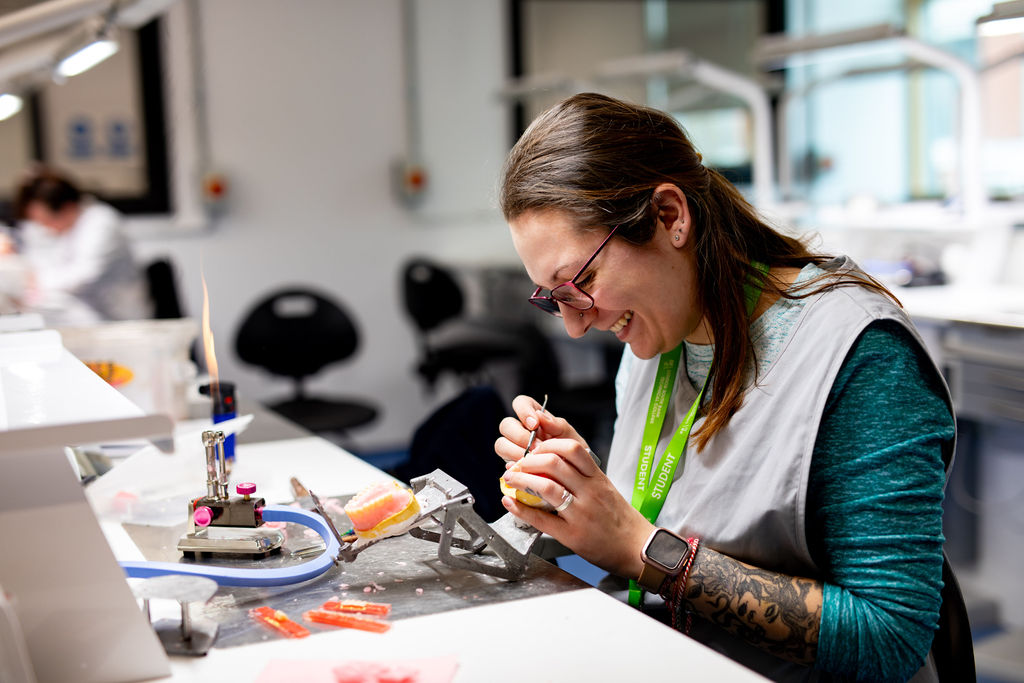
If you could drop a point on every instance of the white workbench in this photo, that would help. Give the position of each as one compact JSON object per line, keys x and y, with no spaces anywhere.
{"x":579,"y":635}
{"x":574,"y":635}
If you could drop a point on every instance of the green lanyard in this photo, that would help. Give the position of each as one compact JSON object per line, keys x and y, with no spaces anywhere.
{"x":649,"y":491}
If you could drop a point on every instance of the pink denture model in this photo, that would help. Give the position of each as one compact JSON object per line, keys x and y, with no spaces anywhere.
{"x":382,"y":509}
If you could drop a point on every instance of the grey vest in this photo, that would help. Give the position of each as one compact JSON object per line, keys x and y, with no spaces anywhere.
{"x":745,"y":495}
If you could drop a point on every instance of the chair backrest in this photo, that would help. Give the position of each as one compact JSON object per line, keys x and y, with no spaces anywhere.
{"x":431,"y":294}
{"x":453,"y":438}
{"x":953,"y":645}
{"x":163,"y":289}
{"x":295,"y":332}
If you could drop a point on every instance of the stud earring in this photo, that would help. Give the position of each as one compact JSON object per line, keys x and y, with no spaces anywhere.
{"x":581,"y":314}
{"x":675,"y":237}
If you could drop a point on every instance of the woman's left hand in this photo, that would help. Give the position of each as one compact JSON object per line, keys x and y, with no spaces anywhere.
{"x":598,"y":524}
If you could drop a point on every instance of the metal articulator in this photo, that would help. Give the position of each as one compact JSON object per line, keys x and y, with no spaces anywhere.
{"x":445,"y":503}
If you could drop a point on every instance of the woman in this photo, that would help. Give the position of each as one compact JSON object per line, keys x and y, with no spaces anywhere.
{"x":805,"y":504}
{"x":81,"y":262}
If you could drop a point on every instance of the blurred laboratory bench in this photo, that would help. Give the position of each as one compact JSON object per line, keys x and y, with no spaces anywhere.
{"x":976,"y":336}
{"x":994,"y":305}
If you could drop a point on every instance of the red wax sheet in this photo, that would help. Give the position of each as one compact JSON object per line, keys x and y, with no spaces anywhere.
{"x":430,"y":670}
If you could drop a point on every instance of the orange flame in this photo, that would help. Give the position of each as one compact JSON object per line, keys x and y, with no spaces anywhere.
{"x":210,"y":353}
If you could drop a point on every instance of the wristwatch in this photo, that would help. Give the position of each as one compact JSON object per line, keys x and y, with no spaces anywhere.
{"x":664,"y":555}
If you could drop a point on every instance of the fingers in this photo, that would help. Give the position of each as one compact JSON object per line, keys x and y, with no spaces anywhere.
{"x":508,"y":450}
{"x":539,"y":431}
{"x":544,"y":522}
{"x":529,"y":485}
{"x":552,"y":452}
{"x":516,"y":432}
{"x":527,"y":409}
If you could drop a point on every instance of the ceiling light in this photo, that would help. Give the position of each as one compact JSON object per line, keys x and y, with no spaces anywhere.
{"x":86,"y":57}
{"x":9,"y":105}
{"x":1007,"y":18}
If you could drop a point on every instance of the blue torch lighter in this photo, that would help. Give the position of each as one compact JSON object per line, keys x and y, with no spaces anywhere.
{"x":223,"y":396}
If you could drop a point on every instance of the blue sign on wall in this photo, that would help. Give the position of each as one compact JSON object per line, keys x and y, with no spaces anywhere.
{"x":81,"y":142}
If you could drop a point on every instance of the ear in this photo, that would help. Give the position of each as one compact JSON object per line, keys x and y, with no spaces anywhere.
{"x":673,"y":213}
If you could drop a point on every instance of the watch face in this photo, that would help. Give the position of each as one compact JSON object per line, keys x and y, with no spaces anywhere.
{"x":667,"y":550}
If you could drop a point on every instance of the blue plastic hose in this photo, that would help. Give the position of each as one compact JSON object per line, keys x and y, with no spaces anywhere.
{"x":240,"y":576}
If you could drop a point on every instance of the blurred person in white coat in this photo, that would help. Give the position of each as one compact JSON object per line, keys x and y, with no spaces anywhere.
{"x":80,"y":262}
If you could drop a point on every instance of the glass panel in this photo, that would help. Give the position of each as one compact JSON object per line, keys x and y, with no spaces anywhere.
{"x":722,"y":33}
{"x":570,"y":38}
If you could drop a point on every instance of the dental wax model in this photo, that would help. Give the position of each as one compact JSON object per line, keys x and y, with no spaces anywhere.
{"x":382,"y":509}
{"x":279,"y":621}
{"x":322,"y":616}
{"x":524,"y":496}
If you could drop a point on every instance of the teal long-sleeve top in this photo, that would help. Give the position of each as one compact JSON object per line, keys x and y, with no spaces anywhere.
{"x":874,"y":498}
{"x":874,"y":520}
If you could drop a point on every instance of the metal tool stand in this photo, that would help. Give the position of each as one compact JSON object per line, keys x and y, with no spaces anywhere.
{"x":445,"y":502}
{"x":230,"y":526}
{"x":187,"y":637}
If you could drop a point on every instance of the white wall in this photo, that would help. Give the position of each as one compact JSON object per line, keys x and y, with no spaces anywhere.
{"x":306,"y":106}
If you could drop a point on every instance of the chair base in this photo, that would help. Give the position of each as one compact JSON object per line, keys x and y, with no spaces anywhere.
{"x":326,"y":415}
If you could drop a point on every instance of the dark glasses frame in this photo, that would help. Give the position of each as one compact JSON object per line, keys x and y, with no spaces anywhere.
{"x":571,"y":298}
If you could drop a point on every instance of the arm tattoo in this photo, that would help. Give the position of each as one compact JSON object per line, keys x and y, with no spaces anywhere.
{"x":778,"y":613}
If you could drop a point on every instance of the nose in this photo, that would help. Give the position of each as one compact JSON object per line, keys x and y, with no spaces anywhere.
{"x":576,"y":322}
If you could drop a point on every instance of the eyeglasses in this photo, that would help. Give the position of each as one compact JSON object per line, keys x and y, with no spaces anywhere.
{"x":568,"y":293}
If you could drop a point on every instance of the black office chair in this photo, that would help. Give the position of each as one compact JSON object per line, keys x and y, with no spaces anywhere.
{"x":451,"y":342}
{"x":953,"y":644}
{"x":590,"y":406}
{"x":163,"y":289}
{"x":296,"y":332}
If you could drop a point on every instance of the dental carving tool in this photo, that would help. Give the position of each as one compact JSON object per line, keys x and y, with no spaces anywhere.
{"x":533,"y":434}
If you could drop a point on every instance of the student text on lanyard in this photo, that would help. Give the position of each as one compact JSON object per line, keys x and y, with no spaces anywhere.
{"x":649,"y":491}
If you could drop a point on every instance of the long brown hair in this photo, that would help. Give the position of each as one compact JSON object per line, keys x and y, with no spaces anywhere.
{"x":598,"y":160}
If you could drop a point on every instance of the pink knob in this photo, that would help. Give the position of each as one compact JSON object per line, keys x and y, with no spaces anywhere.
{"x":203,"y":516}
{"x":246,"y":488}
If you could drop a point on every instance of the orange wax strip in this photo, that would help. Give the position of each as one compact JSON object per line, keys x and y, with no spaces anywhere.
{"x":358,"y":621}
{"x":114,"y":374}
{"x":279,"y":621}
{"x":377,"y":609}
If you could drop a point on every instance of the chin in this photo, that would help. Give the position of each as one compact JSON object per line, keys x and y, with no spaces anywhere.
{"x":643,"y":352}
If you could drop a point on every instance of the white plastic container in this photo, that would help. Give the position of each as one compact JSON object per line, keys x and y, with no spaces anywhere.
{"x":146,"y":360}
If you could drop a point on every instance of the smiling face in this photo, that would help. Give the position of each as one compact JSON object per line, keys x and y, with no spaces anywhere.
{"x":645,"y":294}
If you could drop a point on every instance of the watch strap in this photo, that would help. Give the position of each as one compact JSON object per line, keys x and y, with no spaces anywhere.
{"x":651,"y":578}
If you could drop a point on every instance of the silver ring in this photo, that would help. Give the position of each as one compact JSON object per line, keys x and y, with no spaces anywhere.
{"x":567,"y":499}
